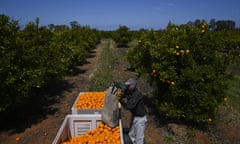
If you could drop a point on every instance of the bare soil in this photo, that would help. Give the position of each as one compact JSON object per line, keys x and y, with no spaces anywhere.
{"x":39,"y":121}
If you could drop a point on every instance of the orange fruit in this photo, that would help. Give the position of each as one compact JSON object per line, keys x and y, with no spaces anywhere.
{"x":225,"y":99}
{"x":90,"y":100}
{"x":104,"y":134}
{"x":17,"y":138}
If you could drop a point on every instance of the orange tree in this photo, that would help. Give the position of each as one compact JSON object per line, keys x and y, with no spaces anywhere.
{"x":187,"y":72}
{"x":34,"y":56}
{"x":122,"y":36}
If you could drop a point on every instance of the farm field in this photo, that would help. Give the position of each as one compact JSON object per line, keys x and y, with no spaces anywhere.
{"x":38,"y":122}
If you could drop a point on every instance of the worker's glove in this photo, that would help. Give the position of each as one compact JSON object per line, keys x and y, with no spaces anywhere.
{"x":119,"y":93}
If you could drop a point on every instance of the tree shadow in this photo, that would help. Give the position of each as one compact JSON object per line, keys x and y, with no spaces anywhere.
{"x":35,"y":109}
{"x":91,"y":54}
{"x":75,"y":70}
{"x":153,"y":111}
{"x":39,"y":106}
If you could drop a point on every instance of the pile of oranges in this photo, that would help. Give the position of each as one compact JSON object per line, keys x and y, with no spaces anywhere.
{"x":104,"y":134}
{"x":90,"y":100}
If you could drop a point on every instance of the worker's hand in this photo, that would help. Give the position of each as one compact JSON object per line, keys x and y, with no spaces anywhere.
{"x":119,"y":93}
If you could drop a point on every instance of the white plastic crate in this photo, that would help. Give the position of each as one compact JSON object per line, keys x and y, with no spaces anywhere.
{"x":84,"y":111}
{"x":75,"y":125}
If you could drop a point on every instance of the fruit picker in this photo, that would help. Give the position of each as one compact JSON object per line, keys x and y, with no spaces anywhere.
{"x":135,"y":104}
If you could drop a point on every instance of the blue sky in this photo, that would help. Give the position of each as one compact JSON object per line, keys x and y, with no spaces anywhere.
{"x":109,"y":14}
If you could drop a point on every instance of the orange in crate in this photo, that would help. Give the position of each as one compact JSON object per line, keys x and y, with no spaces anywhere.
{"x":90,"y":100}
{"x":102,"y":135}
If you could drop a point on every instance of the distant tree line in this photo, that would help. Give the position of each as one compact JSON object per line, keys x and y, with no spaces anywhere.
{"x":73,"y":24}
{"x":216,"y":25}
{"x":213,"y":24}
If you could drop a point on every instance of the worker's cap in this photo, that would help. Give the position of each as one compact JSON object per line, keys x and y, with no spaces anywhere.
{"x":131,"y":81}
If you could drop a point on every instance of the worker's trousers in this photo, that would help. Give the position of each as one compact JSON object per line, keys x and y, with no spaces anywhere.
{"x":137,"y":129}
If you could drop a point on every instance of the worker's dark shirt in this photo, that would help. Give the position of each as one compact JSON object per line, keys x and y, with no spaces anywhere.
{"x":134,"y":102}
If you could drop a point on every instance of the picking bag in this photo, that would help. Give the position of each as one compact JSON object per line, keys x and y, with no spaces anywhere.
{"x":110,"y":113}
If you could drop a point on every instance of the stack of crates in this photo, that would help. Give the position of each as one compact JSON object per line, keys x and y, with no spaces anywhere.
{"x":79,"y":123}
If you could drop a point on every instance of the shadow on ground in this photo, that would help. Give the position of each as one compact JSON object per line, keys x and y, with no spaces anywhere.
{"x":39,"y":106}
{"x":34,"y":110}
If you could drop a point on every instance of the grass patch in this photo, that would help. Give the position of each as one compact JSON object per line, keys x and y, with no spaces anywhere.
{"x":103,"y":76}
{"x":233,"y":91}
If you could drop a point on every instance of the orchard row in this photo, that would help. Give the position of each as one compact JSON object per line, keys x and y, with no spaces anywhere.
{"x":187,"y":66}
{"x":34,"y":55}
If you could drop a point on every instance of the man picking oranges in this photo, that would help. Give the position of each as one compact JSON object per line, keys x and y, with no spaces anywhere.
{"x":134,"y":103}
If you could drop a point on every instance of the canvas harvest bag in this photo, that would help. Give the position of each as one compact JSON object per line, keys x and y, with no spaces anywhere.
{"x":110,"y":113}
